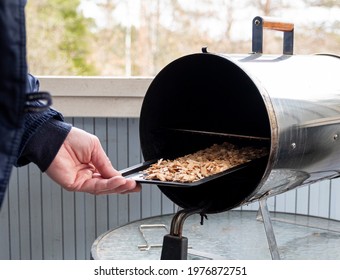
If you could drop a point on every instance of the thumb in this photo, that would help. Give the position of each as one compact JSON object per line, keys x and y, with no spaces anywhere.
{"x":102,"y":163}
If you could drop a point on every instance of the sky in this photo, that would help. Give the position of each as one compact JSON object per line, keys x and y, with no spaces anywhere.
{"x":128,"y":12}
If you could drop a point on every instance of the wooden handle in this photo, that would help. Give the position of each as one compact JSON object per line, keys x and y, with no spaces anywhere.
{"x":274,"y":24}
{"x":260,"y":23}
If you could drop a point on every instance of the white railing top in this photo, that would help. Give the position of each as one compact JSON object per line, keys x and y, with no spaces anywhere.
{"x":96,"y":96}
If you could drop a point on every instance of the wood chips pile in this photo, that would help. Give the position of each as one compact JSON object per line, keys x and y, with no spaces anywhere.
{"x":204,"y":163}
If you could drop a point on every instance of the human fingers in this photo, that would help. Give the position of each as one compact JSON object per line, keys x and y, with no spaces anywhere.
{"x":131,"y":186}
{"x":118,"y":184}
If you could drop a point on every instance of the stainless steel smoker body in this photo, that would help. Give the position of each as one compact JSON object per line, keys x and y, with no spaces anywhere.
{"x":292,"y":100}
{"x":287,"y":103}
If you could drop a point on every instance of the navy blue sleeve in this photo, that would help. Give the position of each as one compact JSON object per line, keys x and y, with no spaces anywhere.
{"x":44,"y":133}
{"x":44,"y":142}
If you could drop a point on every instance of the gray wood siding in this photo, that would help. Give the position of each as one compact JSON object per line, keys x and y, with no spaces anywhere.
{"x":39,"y":220}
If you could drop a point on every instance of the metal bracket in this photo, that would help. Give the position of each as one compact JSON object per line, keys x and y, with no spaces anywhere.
{"x":147,"y":246}
{"x":260,"y":23}
{"x":264,"y":216}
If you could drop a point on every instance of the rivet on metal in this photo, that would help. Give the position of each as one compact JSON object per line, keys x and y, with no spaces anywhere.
{"x":293,"y":146}
{"x":335,"y":137}
{"x":257,"y":22}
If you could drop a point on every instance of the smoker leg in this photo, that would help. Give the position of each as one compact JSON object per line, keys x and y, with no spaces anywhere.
{"x":175,"y":246}
{"x":274,"y":251}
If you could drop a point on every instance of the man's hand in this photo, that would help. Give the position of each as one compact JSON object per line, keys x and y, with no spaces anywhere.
{"x":81,"y":165}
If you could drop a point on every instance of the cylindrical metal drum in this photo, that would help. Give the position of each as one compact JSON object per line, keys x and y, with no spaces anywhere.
{"x":302,"y":99}
{"x":293,"y":101}
{"x":288,"y":103}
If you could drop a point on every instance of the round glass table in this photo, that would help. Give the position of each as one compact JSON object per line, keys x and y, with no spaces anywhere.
{"x":228,"y":235}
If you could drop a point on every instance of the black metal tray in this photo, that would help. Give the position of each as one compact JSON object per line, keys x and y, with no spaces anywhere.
{"x":135,"y":173}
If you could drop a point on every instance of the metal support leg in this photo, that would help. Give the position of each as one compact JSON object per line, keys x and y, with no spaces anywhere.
{"x":175,"y":246}
{"x":274,"y":251}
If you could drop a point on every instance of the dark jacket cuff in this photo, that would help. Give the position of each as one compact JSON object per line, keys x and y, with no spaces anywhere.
{"x":44,"y":145}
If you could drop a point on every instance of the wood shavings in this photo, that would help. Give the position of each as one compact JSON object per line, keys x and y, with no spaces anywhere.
{"x":204,"y":163}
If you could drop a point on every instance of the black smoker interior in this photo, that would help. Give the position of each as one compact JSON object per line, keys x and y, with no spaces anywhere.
{"x":209,"y":93}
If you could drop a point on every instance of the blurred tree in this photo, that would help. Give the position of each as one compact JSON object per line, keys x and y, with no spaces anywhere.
{"x":323,"y":3}
{"x":182,"y":29}
{"x":61,"y":41}
{"x":108,"y":45}
{"x":320,"y":36}
{"x":57,"y":38}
